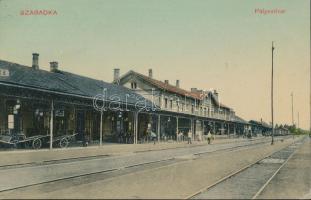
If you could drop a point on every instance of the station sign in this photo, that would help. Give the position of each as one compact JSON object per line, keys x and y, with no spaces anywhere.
{"x":59,"y":113}
{"x":4,"y":73}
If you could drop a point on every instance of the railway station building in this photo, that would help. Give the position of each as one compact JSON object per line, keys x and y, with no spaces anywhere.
{"x":260,"y":127}
{"x":55,"y":102}
{"x":198,"y":111}
{"x":38,"y":102}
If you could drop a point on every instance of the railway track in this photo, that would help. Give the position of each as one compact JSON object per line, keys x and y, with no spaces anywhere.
{"x":102,"y":156}
{"x":137,"y":166}
{"x":249,"y":181}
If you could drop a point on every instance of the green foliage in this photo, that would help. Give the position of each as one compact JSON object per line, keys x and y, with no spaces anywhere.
{"x":296,"y":131}
{"x":301,"y":132}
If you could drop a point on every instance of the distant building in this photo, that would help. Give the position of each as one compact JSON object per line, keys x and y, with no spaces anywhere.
{"x":281,"y":131}
{"x":260,"y":127}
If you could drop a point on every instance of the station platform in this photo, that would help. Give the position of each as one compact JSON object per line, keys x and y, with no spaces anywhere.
{"x":293,"y":179}
{"x":21,"y":156}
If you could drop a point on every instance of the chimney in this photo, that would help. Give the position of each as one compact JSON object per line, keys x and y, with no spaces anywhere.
{"x":53,"y":66}
{"x":150,"y":73}
{"x":116,"y":74}
{"x":194,"y":90}
{"x":35,"y":61}
{"x":177,"y":83}
{"x":166,"y":82}
{"x":216,"y":94}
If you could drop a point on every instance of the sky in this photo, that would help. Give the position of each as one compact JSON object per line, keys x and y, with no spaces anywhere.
{"x":207,"y":44}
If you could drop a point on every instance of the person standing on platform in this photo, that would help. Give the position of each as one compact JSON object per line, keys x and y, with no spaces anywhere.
{"x":189,"y":137}
{"x":153,"y":137}
{"x":209,"y":137}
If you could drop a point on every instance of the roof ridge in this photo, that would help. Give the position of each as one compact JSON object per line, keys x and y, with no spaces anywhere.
{"x":46,"y":71}
{"x":60,"y":72}
{"x":66,"y":82}
{"x":162,"y":85}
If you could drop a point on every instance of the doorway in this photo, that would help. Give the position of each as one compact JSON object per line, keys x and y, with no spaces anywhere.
{"x":80,"y":125}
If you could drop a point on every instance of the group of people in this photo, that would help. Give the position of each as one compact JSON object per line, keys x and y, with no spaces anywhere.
{"x":209,"y":137}
{"x":125,"y":137}
{"x":180,"y":136}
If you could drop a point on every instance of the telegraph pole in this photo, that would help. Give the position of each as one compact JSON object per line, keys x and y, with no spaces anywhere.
{"x":292,"y":95}
{"x":298,"y":121}
{"x":272,"y":136}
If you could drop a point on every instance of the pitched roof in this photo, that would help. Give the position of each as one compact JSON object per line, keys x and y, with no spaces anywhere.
{"x":239,"y":119}
{"x":215,"y":100}
{"x":164,"y":86}
{"x":64,"y":82}
{"x":282,"y":128}
{"x":260,"y":123}
{"x":172,"y":88}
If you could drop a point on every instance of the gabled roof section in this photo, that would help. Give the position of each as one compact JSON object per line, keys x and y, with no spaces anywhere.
{"x":162,"y":85}
{"x":203,"y":95}
{"x":282,"y":128}
{"x":218,"y":103}
{"x":65,"y":82}
{"x":239,"y":120}
{"x":260,"y":123}
{"x":173,"y":89}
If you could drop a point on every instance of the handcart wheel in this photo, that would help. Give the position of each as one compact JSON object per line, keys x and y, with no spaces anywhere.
{"x":36,"y":143}
{"x":63,"y":143}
